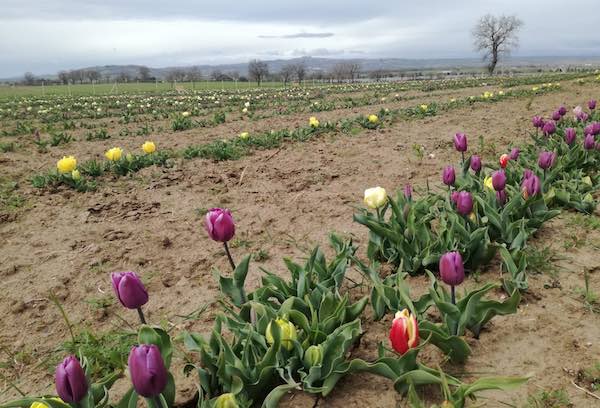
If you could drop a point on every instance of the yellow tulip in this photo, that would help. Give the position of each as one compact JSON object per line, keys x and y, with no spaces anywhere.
{"x":375,"y":197}
{"x":424,"y":107}
{"x":226,"y":401}
{"x":313,"y":122}
{"x":66,"y":165}
{"x":42,"y":405}
{"x":488,"y":183}
{"x":76,"y":175}
{"x":149,"y":147}
{"x":114,"y":154}
{"x":288,"y":333}
{"x":185,"y":114}
{"x":373,"y":118}
{"x":244,"y":135}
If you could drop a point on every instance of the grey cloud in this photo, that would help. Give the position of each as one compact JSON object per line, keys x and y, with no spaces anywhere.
{"x":298,"y":35}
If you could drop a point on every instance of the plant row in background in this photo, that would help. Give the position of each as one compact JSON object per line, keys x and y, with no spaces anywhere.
{"x":245,"y":143}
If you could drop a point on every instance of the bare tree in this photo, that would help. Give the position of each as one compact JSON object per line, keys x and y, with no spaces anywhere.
{"x":300,"y":71}
{"x":92,"y":75}
{"x":353,"y":70}
{"x":63,"y":77}
{"x":176,"y":74}
{"x":258,"y":70}
{"x":123,"y":76}
{"x":144,"y":73}
{"x":286,"y":73}
{"x":28,"y":78}
{"x":194,"y":74}
{"x":496,"y":36}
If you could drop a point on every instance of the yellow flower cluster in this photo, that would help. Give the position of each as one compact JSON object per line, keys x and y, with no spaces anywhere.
{"x":313,"y":122}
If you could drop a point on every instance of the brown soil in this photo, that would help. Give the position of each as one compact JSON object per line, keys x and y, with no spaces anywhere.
{"x":284,"y":202}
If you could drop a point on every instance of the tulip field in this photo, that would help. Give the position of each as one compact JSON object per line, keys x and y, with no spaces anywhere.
{"x":405,"y":244}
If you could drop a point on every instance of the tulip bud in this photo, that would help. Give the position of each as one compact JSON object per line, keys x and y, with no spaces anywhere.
{"x":546,"y":160}
{"x":514,"y":153}
{"x":464,"y":203}
{"x":71,"y":383}
{"x":449,"y":176}
{"x":454,"y":197}
{"x":592,"y":104}
{"x":499,"y":180}
{"x":531,"y":186}
{"x":504,"y":160}
{"x":549,"y":128}
{"x":570,"y":135}
{"x":589,"y":142}
{"x":226,"y":401}
{"x":66,"y":165}
{"x":147,"y":370}
{"x":404,"y":333}
{"x":408,"y":191}
{"x":219,"y":224}
{"x":460,"y":142}
{"x":288,"y":333}
{"x":476,"y":164}
{"x":537,"y":121}
{"x":76,"y":175}
{"x":452,"y":270}
{"x":129,"y":289}
{"x":556,"y":115}
{"x":313,"y":356}
{"x":501,"y":197}
{"x":375,"y":197}
{"x":447,"y":404}
{"x":562,"y":110}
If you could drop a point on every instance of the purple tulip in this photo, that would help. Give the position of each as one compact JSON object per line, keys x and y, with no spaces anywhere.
{"x":562,"y":110}
{"x":454,"y":197}
{"x":219,"y":224}
{"x":546,"y":160}
{"x":592,"y":104}
{"x":514,"y":153}
{"x":129,"y":289}
{"x":527,"y":174}
{"x":449,"y":176}
{"x":501,"y":197}
{"x":570,"y":135}
{"x":537,"y":121}
{"x":499,"y":180}
{"x":460,"y":142}
{"x":595,"y":128}
{"x":408,"y":191}
{"x":556,"y":116}
{"x":452,"y":270}
{"x":464,"y":203}
{"x":549,"y":128}
{"x":71,"y":384}
{"x":147,"y":370}
{"x":476,"y":164}
{"x":531,"y":186}
{"x":588,"y":142}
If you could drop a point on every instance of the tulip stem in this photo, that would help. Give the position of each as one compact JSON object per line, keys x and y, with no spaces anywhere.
{"x":141,"y":315}
{"x":229,"y":255}
{"x":463,"y":157}
{"x":453,"y":294}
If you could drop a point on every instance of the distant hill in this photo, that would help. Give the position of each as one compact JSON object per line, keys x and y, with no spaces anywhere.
{"x":314,"y":64}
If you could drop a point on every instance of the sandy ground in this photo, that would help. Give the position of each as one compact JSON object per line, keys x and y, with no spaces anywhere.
{"x":284,"y":202}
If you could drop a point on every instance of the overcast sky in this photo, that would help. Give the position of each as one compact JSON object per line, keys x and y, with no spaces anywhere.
{"x":44,"y":36}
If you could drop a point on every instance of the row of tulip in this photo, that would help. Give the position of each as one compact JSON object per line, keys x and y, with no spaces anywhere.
{"x":485,"y":212}
{"x":57,"y":108}
{"x":245,"y":143}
